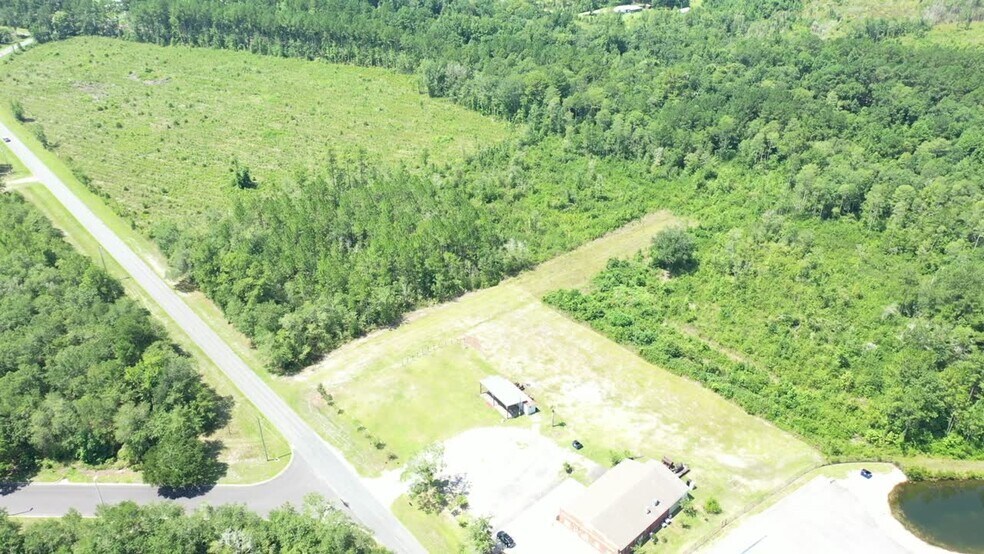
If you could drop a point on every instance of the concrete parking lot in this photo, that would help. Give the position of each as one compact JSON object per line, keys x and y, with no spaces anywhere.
{"x":843,"y":515}
{"x":507,"y":469}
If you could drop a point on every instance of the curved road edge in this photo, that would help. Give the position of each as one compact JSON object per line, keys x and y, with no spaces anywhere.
{"x":56,"y":499}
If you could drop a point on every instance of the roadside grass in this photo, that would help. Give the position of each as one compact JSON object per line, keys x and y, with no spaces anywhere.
{"x":8,"y":158}
{"x":53,"y":472}
{"x":242,"y":445}
{"x":158,"y":130}
{"x":436,"y":533}
{"x":417,"y":384}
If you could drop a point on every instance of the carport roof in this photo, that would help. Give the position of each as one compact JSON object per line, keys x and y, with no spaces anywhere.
{"x":504,"y":390}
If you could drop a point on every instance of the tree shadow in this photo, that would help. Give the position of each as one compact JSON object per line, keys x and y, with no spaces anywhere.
{"x":10,"y":488}
{"x":174,"y":493}
{"x":683,"y":268}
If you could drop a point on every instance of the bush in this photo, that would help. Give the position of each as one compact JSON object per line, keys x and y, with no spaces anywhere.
{"x":712,"y":506}
{"x":17,"y":109}
{"x":673,"y":250}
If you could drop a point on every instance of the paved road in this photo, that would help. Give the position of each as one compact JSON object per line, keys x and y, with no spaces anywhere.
{"x":327,"y":462}
{"x":54,"y":499}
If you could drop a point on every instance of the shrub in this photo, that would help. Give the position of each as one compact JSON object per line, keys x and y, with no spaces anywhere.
{"x":673,"y":249}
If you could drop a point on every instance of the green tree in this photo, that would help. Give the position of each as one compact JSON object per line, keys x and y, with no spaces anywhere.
{"x":428,"y":485}
{"x":180,"y":462}
{"x":10,"y":539}
{"x":17,"y":109}
{"x":479,"y":538}
{"x":673,"y":249}
{"x":712,"y":506}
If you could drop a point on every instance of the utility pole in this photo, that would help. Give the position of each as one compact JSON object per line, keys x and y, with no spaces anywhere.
{"x":101,"y":258}
{"x":263,"y":440}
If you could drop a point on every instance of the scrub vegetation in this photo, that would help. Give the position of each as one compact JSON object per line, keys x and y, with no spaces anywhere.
{"x":833,"y":281}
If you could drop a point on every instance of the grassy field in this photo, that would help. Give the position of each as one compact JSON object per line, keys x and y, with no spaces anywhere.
{"x":158,"y":130}
{"x":409,"y":387}
{"x":243,"y":450}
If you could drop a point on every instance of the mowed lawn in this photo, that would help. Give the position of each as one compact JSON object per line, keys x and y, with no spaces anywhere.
{"x":417,"y":384}
{"x":159,"y":129}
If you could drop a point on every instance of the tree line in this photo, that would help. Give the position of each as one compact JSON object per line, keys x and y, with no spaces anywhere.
{"x":85,"y":375}
{"x":165,"y":528}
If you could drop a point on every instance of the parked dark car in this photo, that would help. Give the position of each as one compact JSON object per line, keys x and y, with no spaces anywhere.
{"x":577,"y":445}
{"x":866,"y":474}
{"x":6,"y":139}
{"x":505,"y":539}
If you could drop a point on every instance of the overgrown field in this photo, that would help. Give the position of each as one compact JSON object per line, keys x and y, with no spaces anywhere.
{"x":159,"y":131}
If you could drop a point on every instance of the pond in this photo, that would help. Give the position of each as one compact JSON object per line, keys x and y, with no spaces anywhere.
{"x":949,"y":514}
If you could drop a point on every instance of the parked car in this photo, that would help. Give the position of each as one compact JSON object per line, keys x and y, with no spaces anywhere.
{"x":6,"y":139}
{"x":505,"y":539}
{"x":866,"y":474}
{"x":577,"y":445}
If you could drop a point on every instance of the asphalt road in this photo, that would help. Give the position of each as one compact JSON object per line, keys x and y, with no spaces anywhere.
{"x":326,"y":461}
{"x":55,"y":499}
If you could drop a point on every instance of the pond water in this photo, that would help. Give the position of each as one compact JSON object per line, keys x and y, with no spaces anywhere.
{"x":949,"y":514}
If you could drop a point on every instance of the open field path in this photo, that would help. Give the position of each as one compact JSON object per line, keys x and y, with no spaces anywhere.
{"x":338,"y":476}
{"x":56,"y":499}
{"x":10,"y":49}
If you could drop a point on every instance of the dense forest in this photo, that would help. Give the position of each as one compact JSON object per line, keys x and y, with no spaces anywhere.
{"x":84,"y":373}
{"x":165,"y":528}
{"x":836,"y":185}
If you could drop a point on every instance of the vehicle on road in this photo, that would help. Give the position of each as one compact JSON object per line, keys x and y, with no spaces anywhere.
{"x":866,"y":474}
{"x":577,"y":445}
{"x":505,"y":539}
{"x":6,"y":139}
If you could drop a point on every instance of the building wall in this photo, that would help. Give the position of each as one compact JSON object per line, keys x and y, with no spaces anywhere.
{"x":586,"y":534}
{"x":600,"y":543}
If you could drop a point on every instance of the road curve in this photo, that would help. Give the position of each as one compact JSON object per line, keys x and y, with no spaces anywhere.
{"x":55,"y":499}
{"x":327,"y":462}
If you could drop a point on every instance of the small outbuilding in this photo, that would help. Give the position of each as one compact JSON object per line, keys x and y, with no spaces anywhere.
{"x":627,"y":8}
{"x":511,"y":400}
{"x":624,"y":506}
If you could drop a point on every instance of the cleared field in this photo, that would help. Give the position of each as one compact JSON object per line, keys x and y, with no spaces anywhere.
{"x":417,"y":384}
{"x":832,"y":18}
{"x":158,"y":130}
